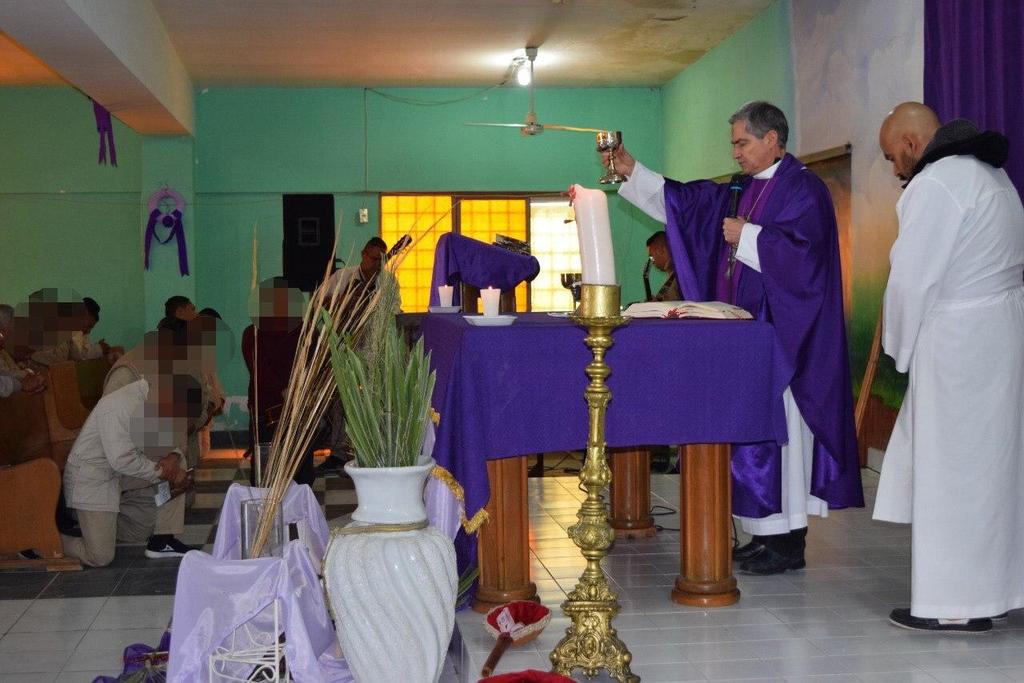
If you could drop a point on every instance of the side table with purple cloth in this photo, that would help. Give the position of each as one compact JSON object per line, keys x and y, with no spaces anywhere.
{"x":517,"y":390}
{"x":216,"y":597}
{"x":462,"y":259}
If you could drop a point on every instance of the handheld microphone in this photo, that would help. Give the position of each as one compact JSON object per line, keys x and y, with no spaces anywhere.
{"x":647,"y":279}
{"x":735,"y":189}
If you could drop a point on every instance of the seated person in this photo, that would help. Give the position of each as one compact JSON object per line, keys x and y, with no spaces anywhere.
{"x":73,"y":324}
{"x":269,"y":346}
{"x":657,"y":249}
{"x":8,"y":365}
{"x":124,"y":450}
{"x":204,"y":331}
{"x":179,"y":307}
{"x":12,"y":384}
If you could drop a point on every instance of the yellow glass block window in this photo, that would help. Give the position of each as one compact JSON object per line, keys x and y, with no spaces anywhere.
{"x":485,"y":219}
{"x":425,"y":218}
{"x":554,"y":243}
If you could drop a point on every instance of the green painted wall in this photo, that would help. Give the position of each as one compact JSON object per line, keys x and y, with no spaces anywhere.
{"x":66,"y":221}
{"x":755,"y":63}
{"x":252,"y":145}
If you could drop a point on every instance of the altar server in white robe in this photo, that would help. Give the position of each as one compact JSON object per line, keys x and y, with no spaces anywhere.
{"x":954,"y":319}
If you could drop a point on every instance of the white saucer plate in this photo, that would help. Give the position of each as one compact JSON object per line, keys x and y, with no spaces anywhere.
{"x":444,"y":309}
{"x":490,"y":321}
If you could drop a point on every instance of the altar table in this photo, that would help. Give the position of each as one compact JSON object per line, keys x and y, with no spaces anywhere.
{"x":510,"y":391}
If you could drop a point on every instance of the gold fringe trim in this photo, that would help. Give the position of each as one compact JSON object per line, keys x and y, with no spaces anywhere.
{"x":479,"y":519}
{"x":435,"y":417}
{"x":448,"y":479}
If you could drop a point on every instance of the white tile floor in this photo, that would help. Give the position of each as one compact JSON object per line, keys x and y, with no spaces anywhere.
{"x":825,"y":623}
{"x":73,"y":640}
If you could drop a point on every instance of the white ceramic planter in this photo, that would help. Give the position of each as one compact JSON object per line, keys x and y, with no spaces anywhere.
{"x":392,"y":593}
{"x":389,"y":495}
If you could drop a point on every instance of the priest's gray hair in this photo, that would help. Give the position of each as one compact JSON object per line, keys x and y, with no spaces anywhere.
{"x":6,"y":315}
{"x":761,"y":117}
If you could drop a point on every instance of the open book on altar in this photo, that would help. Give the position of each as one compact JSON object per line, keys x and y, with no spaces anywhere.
{"x":716,"y":310}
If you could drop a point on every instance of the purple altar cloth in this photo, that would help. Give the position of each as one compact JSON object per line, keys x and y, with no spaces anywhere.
{"x":461,"y":259}
{"x":518,"y":390}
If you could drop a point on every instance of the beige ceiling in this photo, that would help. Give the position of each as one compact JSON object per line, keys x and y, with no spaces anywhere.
{"x":428,"y":43}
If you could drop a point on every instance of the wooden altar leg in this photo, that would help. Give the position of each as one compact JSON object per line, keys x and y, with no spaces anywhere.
{"x":504,"y":548}
{"x":631,"y":493}
{"x":705,"y":550}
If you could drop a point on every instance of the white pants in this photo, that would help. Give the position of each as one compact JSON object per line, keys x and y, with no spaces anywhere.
{"x":797,"y":502}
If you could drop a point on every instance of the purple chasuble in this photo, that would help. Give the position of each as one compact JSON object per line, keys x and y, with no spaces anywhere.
{"x":799,"y":291}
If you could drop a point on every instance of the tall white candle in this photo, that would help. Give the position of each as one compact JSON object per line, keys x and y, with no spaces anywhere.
{"x":491,"y":297}
{"x":595,"y":234}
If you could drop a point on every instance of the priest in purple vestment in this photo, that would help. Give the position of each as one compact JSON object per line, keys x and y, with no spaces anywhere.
{"x":779,"y":259}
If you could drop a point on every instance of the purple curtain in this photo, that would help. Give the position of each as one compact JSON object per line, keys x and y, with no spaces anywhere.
{"x":974,"y":68}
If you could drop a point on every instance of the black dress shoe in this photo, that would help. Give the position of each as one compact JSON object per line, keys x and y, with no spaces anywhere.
{"x":769,"y":562}
{"x":904,"y":619}
{"x":748,"y":551}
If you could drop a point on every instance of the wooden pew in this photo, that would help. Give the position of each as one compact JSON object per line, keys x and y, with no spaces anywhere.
{"x":30,"y":481}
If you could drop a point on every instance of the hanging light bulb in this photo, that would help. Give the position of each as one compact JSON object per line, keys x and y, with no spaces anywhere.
{"x":524,"y":72}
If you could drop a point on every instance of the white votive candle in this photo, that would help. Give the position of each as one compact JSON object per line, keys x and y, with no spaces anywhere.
{"x":490,"y":297}
{"x":595,"y":235}
{"x":444,"y":295}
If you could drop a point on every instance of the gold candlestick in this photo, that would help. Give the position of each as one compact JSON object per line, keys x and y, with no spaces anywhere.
{"x":590,"y":643}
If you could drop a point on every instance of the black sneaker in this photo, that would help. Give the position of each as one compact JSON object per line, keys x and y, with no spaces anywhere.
{"x":29,"y":555}
{"x":166,"y":546}
{"x":904,"y":619}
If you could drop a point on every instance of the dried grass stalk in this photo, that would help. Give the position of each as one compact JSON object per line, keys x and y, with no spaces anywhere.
{"x":311,"y":385}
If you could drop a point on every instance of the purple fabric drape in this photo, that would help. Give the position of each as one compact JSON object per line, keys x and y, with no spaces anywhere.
{"x":974,"y":68}
{"x":105,"y":127}
{"x":173,"y":221}
{"x":462,"y":259}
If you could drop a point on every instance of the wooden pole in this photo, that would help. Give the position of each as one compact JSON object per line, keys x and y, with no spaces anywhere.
{"x":868,"y":380}
{"x":631,"y":493}
{"x":705,"y":515}
{"x":503,"y":542}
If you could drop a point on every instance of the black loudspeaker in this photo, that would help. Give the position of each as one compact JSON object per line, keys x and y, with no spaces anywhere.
{"x":308,"y":245}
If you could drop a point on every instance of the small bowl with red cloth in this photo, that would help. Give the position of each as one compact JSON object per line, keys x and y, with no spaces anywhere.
{"x":516,"y":622}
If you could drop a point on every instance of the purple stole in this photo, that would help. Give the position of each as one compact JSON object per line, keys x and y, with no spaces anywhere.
{"x":759,"y":190}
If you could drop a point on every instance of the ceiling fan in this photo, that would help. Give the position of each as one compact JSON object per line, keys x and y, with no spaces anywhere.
{"x":530,"y":125}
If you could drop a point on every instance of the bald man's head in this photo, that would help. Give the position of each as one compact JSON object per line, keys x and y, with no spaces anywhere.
{"x":905,"y":133}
